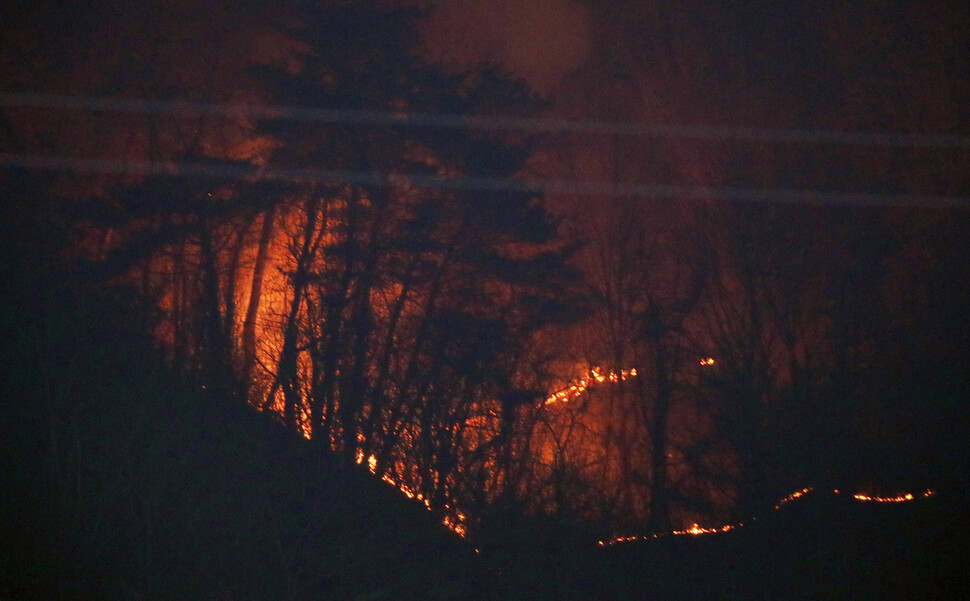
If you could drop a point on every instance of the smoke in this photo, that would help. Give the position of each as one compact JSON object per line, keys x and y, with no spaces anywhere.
{"x":538,"y":40}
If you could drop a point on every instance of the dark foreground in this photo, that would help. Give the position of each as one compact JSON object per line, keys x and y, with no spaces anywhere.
{"x":819,"y":548}
{"x":122,"y":481}
{"x":161,"y":492}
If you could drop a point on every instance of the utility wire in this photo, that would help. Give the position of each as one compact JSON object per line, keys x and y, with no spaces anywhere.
{"x":482,"y":122}
{"x":480,"y":184}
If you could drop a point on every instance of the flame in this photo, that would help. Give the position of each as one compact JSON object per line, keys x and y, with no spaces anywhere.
{"x":707,"y":361}
{"x":455,"y":526}
{"x":897,"y":499}
{"x":795,"y":495}
{"x":696,"y":530}
{"x":454,"y":521}
{"x":594,"y":376}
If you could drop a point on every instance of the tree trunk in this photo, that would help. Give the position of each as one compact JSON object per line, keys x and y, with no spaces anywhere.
{"x":255,"y":292}
{"x":286,"y":372}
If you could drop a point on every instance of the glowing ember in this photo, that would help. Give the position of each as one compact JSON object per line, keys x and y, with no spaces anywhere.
{"x":795,"y":495}
{"x":696,"y":530}
{"x":454,"y":526}
{"x":454,"y":522}
{"x":897,"y":499}
{"x":595,"y":376}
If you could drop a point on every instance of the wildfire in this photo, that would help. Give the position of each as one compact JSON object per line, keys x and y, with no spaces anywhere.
{"x":897,"y":499}
{"x":696,"y":530}
{"x":795,"y":495}
{"x":595,"y":376}
{"x":454,"y":519}
{"x":455,"y":522}
{"x":455,"y":526}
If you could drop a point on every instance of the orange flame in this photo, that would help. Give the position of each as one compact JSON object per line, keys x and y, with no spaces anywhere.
{"x":696,"y":530}
{"x":795,"y":495}
{"x":594,"y":376}
{"x":897,"y":499}
{"x":454,"y":523}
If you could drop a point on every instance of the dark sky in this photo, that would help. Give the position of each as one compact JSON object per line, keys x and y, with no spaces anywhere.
{"x":809,"y":55}
{"x":541,"y":40}
{"x":887,"y":66}
{"x":884,"y":66}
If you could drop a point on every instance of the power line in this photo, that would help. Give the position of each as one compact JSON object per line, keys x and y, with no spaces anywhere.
{"x":480,"y":184}
{"x":484,"y":122}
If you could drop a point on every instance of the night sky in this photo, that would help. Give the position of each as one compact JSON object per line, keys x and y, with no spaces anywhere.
{"x":888,"y":67}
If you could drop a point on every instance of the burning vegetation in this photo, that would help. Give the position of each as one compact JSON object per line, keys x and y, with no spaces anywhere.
{"x":696,"y":530}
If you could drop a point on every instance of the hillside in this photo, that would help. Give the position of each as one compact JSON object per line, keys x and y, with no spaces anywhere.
{"x":819,"y":547}
{"x":123,"y":481}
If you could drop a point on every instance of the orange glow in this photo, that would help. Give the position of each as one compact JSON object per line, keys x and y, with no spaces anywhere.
{"x":897,"y":499}
{"x":274,"y":305}
{"x":696,"y":530}
{"x":453,"y":521}
{"x":455,"y":526}
{"x":594,"y":376}
{"x":795,"y":495}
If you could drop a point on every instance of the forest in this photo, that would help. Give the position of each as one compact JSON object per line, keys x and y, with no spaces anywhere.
{"x":293,"y":310}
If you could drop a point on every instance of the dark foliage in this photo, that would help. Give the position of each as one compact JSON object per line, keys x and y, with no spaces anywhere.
{"x":121,"y":480}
